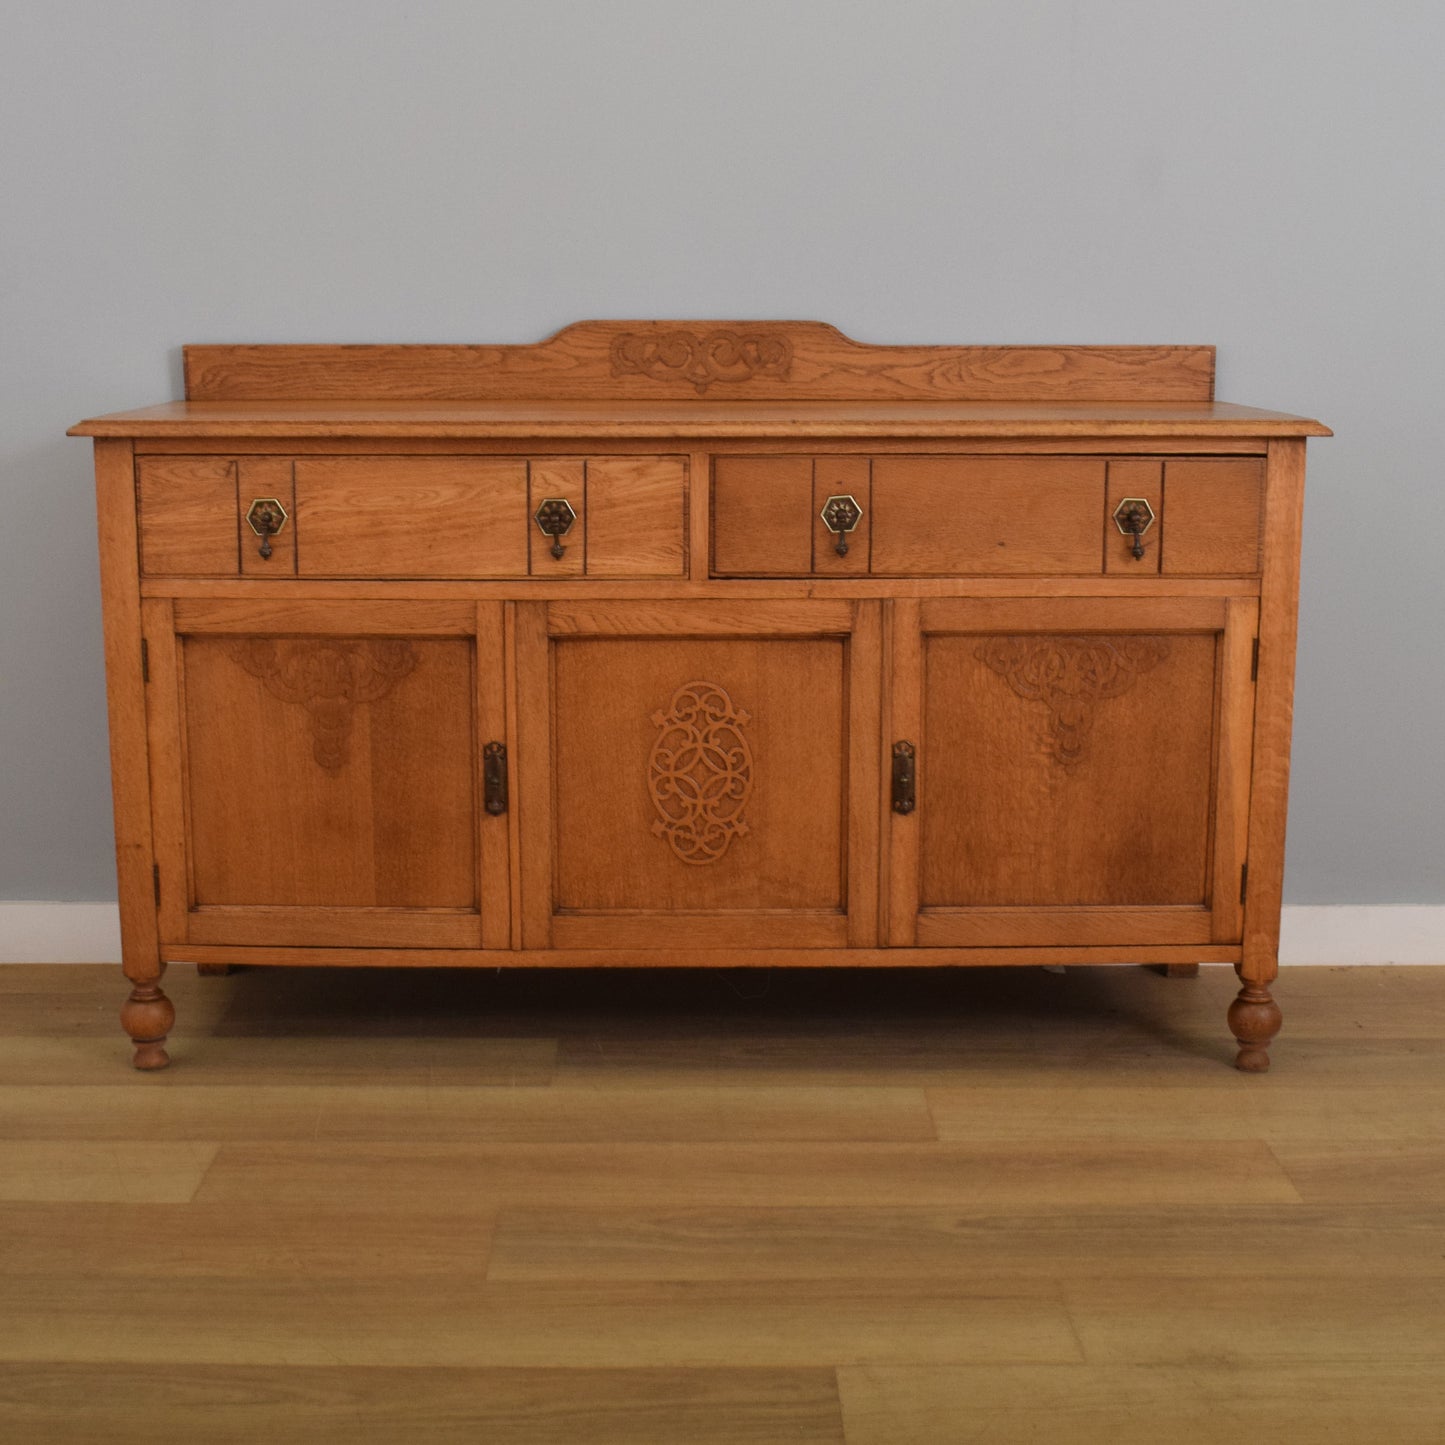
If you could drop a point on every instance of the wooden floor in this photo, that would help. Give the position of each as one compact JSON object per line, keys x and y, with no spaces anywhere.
{"x":880,"y":1208}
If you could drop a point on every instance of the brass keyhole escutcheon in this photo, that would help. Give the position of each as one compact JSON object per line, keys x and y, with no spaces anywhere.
{"x":841,"y":515}
{"x":266,"y":517}
{"x":554,"y":519}
{"x":1133,"y":517}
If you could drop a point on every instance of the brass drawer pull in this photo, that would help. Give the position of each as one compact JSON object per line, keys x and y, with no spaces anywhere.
{"x":494,"y":778}
{"x":841,"y":515}
{"x":1133,"y":517}
{"x":554,"y":519}
{"x":905,"y":798}
{"x":266,"y":517}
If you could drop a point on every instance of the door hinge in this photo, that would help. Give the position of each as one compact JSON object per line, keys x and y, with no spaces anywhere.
{"x":156,"y":882}
{"x":145,"y":660}
{"x":1243,"y":880}
{"x":1254,"y":662}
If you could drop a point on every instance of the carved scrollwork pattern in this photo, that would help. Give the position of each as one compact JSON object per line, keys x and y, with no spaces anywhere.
{"x":702,"y":360}
{"x":700,"y":773}
{"x":1070,"y":676}
{"x":328,"y":677}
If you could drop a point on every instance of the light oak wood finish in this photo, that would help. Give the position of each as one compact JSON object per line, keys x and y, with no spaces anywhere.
{"x":413,"y":735}
{"x":866,"y":1207}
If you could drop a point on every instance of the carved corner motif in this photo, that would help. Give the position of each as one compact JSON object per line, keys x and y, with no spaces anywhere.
{"x":702,"y":360}
{"x":328,"y":677}
{"x":700,"y":772}
{"x":1070,"y":676}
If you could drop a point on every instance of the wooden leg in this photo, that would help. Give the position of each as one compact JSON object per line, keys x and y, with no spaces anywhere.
{"x":1254,"y":1020}
{"x":215,"y":970}
{"x":1175,"y":970}
{"x":148,"y":1016}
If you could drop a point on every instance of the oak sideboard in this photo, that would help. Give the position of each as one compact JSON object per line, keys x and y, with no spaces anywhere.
{"x":699,"y":643}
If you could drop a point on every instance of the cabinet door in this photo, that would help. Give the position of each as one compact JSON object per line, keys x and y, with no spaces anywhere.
{"x":1082,"y":770}
{"x":317,"y":773}
{"x":699,"y":774}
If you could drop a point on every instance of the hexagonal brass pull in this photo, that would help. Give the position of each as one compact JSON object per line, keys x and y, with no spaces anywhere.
{"x":266,"y":516}
{"x":554,"y":519}
{"x":841,"y":515}
{"x":1133,"y":517}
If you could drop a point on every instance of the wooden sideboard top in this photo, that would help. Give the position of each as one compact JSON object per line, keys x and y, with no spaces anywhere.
{"x":698,"y":379}
{"x":661,"y":419}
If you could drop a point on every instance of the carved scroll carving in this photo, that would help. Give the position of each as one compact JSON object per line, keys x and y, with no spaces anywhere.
{"x":328,"y":677}
{"x":1070,"y":675}
{"x":700,"y":773}
{"x":702,"y":360}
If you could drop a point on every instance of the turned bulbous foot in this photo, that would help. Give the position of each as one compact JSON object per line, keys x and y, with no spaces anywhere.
{"x":148,"y":1016}
{"x":1254,"y":1020}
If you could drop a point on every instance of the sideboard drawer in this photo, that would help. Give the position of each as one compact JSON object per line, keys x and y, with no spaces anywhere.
{"x":908,"y":516}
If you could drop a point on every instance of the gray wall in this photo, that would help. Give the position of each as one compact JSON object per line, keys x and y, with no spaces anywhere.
{"x":1259,"y":174}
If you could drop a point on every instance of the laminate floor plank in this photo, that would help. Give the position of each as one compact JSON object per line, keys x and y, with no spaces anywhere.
{"x":1203,"y":1403}
{"x":208,"y":1062}
{"x":406,"y":1113}
{"x":1048,"y":1175}
{"x":1236,"y":1242}
{"x":1388,"y":1173}
{"x":119,"y":1172}
{"x":467,"y":1323}
{"x":155,"y":1242}
{"x":1130,"y":1320}
{"x":1279,"y":1110}
{"x":341,"y":1405}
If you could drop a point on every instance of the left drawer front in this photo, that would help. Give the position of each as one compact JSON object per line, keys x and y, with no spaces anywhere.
{"x":187,"y":516}
{"x":411,"y":517}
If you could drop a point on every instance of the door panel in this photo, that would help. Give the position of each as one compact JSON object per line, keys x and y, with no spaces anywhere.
{"x":323,"y":786}
{"x":1081,"y":769}
{"x":711,"y":770}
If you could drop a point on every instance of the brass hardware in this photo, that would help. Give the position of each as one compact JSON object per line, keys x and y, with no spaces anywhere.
{"x":904,"y":778}
{"x":1133,"y":517}
{"x":266,"y":517}
{"x":494,"y":777}
{"x":841,"y":515}
{"x":554,"y":519}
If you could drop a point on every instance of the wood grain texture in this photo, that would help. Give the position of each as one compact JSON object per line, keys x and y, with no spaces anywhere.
{"x":1215,"y":517}
{"x":669,"y":421}
{"x":187,"y":509}
{"x":762,"y":511}
{"x":724,"y":360}
{"x":636,"y":516}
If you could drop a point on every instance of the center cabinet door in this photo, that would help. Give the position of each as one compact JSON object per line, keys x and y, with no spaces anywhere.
{"x":1081,"y":770}
{"x":698,"y":775}
{"x":317,"y":773}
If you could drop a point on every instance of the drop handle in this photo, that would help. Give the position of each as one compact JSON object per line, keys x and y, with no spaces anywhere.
{"x":554,"y":519}
{"x":841,"y":515}
{"x":904,"y":777}
{"x":1133,"y":517}
{"x":266,"y":517}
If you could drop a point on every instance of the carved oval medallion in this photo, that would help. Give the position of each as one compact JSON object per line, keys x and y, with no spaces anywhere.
{"x":700,"y":773}
{"x":702,"y":360}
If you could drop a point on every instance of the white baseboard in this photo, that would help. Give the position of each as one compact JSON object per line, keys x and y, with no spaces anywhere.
{"x":1336,"y":933}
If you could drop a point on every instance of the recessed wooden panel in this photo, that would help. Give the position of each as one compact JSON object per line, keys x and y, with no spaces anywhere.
{"x":187,"y":509}
{"x":330,"y":771}
{"x":845,"y":477}
{"x":762,"y":516}
{"x":1215,"y":513}
{"x":411,"y":517}
{"x":939,"y":515}
{"x":1066,"y":769}
{"x":563,"y":479}
{"x":636,"y":516}
{"x":1138,"y":478}
{"x":752,"y":730}
{"x":259,"y":478}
